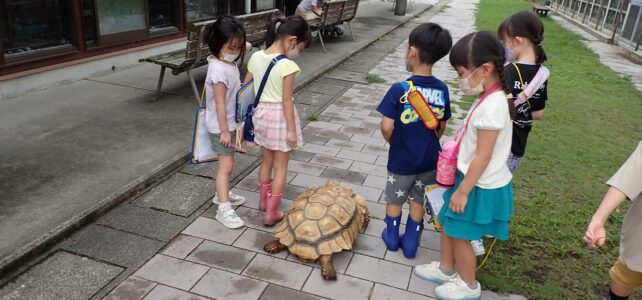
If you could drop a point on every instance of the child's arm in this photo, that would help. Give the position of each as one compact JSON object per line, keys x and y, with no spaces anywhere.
{"x":595,"y":233}
{"x":248,"y":77}
{"x":538,"y":115}
{"x":485,"y":145}
{"x":288,"y":109}
{"x":442,"y":128}
{"x":387,"y":126}
{"x":219,"y":100}
{"x":315,"y":10}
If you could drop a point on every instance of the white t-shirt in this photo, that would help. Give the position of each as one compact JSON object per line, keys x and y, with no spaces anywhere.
{"x":492,"y":114}
{"x":221,"y":72}
{"x":306,"y":5}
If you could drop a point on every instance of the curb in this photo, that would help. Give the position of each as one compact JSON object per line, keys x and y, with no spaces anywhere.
{"x":62,"y":231}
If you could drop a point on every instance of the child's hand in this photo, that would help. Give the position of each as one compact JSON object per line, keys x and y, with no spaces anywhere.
{"x":458,"y":202}
{"x":226,"y":139}
{"x":595,"y":234}
{"x":291,"y":139}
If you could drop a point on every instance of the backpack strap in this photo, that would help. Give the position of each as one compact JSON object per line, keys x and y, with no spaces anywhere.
{"x":408,"y":87}
{"x":535,"y":84}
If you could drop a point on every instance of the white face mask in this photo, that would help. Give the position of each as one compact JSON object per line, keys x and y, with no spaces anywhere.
{"x":510,"y":54}
{"x":465,"y":87}
{"x":229,"y":57}
{"x":293,"y":53}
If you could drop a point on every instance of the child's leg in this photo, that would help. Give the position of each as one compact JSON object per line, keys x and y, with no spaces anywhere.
{"x":465,"y":260}
{"x":623,"y":280}
{"x":417,"y":211}
{"x":393,"y":210}
{"x":447,"y":260}
{"x":280,"y":165}
{"x":223,"y":173}
{"x":265,"y":170}
{"x":395,"y":194}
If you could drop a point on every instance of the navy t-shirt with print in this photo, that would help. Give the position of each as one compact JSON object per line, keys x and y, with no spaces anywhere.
{"x":414,"y":149}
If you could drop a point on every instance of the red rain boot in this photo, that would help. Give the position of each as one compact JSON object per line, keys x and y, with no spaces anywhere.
{"x":272,"y":213}
{"x":264,"y":188}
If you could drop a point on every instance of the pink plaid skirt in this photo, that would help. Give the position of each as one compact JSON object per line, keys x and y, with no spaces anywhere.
{"x":270,"y":128}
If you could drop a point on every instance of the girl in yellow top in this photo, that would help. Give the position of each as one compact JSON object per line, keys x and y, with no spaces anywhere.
{"x":277,"y":128}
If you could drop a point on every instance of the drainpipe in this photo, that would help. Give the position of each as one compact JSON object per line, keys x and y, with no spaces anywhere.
{"x":248,"y":6}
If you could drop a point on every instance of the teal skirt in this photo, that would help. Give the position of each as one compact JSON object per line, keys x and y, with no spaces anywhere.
{"x":487,"y":212}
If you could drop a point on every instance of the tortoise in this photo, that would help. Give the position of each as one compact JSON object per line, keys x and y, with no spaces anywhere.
{"x":322,"y":221}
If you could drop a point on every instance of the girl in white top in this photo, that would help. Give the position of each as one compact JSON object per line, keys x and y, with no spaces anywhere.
{"x":226,"y":40}
{"x":481,"y":202}
{"x":277,"y":128}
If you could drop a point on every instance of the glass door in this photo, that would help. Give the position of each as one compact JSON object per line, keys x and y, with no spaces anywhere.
{"x":120,"y":20}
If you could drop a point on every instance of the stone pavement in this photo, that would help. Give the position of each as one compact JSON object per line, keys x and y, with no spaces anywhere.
{"x":209,"y":261}
{"x":612,"y":56}
{"x":70,"y":153}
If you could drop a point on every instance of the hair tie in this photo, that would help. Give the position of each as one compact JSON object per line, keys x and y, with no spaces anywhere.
{"x":276,"y":27}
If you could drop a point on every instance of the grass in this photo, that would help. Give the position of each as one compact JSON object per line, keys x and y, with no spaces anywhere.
{"x":592,"y":123}
{"x":313,"y":118}
{"x":374,"y":78}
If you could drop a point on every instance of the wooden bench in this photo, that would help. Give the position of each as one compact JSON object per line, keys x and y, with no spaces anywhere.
{"x":541,"y":10}
{"x":335,"y":13}
{"x":196,"y":51}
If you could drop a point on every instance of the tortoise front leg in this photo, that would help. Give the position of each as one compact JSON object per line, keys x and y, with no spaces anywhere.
{"x":274,"y":247}
{"x":327,"y":269}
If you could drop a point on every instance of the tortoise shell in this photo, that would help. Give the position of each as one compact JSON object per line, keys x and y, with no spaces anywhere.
{"x":322,"y":221}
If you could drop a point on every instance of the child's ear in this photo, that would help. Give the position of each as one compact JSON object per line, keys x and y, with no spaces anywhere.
{"x":486,"y":69}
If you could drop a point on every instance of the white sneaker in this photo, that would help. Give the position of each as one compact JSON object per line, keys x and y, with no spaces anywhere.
{"x":235,"y":199}
{"x":432,"y":273}
{"x":229,"y":219}
{"x":457,"y":290}
{"x":478,"y":247}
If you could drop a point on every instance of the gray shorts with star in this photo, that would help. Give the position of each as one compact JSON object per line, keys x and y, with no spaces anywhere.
{"x":400,"y":188}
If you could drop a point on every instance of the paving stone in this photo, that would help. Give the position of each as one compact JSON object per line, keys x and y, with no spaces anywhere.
{"x":172,"y":272}
{"x":339,"y":260}
{"x":345,"y":144}
{"x":370,"y":245}
{"x":325,"y":125}
{"x":378,"y":150}
{"x":306,"y":181}
{"x":382,"y":161}
{"x":182,"y":246}
{"x":255,"y":240}
{"x":371,"y":194}
{"x":61,"y":276}
{"x":347,"y":121}
{"x":305,"y":168}
{"x":334,"y":134}
{"x":131,"y":289}
{"x":213,"y":230}
{"x":291,"y":193}
{"x":219,"y":284}
{"x":311,"y":98}
{"x":253,"y":218}
{"x":276,"y":292}
{"x":375,"y":227}
{"x":241,"y":163}
{"x":162,"y":292}
{"x":357,"y":130}
{"x":301,"y":155}
{"x":345,"y":287}
{"x":290,"y":175}
{"x":114,"y":246}
{"x":423,"y":287}
{"x":377,"y":210}
{"x":318,"y":149}
{"x":181,"y":194}
{"x":249,"y":183}
{"x":347,"y":75}
{"x":382,"y":292}
{"x":221,"y":256}
{"x":378,"y":270}
{"x":278,"y":271}
{"x":369,"y":169}
{"x":357,"y":156}
{"x":329,"y":161}
{"x":305,"y":111}
{"x":325,"y":88}
{"x":430,"y":239}
{"x":343,"y":175}
{"x":375,"y":182}
{"x":371,"y":125}
{"x":423,"y":256}
{"x":144,"y":221}
{"x":315,"y":139}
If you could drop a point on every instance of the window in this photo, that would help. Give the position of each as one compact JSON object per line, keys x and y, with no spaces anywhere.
{"x":198,"y":10}
{"x":162,"y":15}
{"x":264,"y":5}
{"x":32,"y":28}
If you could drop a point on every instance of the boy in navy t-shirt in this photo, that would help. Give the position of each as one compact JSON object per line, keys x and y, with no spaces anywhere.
{"x":412,"y":158}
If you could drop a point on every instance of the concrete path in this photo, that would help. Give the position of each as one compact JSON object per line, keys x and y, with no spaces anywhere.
{"x":612,"y":56}
{"x":70,"y":152}
{"x":207,"y":261}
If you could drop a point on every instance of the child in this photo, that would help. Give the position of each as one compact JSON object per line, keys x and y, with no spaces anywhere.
{"x":226,"y":41}
{"x":626,"y":274}
{"x":306,"y":6}
{"x":277,"y":126}
{"x":522,"y":35}
{"x":481,"y":202}
{"x":414,"y":148}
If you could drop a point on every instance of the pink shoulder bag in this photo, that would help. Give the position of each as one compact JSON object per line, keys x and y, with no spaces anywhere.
{"x":447,"y":161}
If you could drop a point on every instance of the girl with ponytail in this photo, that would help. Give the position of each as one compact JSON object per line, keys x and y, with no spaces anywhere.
{"x":277,"y":128}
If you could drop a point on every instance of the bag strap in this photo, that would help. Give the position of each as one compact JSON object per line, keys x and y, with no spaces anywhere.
{"x":265,"y":77}
{"x":201,"y":101}
{"x":535,"y":84}
{"x":460,"y":134}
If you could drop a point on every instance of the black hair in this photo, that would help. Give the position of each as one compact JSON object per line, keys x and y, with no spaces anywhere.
{"x":292,"y":25}
{"x":528,"y":25}
{"x":225,"y":28}
{"x":478,"y":48}
{"x":432,"y":41}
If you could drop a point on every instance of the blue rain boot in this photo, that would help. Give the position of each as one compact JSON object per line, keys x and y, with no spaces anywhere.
{"x":390,"y":234}
{"x":410,"y":239}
